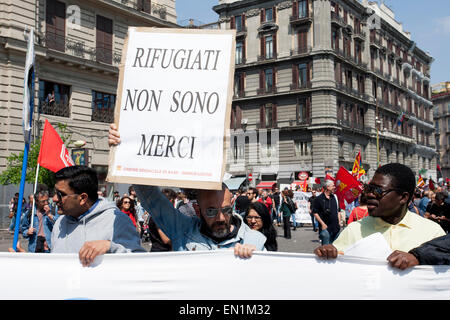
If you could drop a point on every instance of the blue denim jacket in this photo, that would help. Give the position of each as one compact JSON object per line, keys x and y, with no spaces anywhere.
{"x":184,"y":231}
{"x":47,"y":225}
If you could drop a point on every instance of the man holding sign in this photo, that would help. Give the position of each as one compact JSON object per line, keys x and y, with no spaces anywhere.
{"x":173,"y":110}
{"x":216,"y":229}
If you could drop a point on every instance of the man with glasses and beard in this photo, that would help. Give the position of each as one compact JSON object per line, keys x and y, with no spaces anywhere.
{"x":216,"y":228}
{"x":388,"y":195}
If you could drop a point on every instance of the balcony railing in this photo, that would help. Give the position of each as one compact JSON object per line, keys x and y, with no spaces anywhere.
{"x":300,"y":86}
{"x":143,"y":6}
{"x":266,"y":57}
{"x":299,"y":20}
{"x":262,"y":91}
{"x":79,"y":49}
{"x":105,"y":115}
{"x":60,"y":109}
{"x":301,"y":50}
{"x":337,"y":20}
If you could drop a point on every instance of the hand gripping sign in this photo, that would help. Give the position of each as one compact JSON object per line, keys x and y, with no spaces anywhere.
{"x":173,"y":107}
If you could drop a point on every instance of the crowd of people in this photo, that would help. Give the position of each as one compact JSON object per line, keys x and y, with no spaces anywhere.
{"x":76,"y":218}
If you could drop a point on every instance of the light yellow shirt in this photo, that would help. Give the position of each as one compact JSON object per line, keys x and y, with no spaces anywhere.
{"x":409,"y":233}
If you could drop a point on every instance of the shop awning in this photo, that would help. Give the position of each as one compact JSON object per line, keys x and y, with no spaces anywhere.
{"x":235,"y":183}
{"x":265,"y":185}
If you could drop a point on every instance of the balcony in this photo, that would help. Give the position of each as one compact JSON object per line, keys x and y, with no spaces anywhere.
{"x":300,"y":86}
{"x":375,"y":41}
{"x":337,"y":20}
{"x":264,"y":91}
{"x":105,"y":115}
{"x":266,"y":57}
{"x":155,"y":9}
{"x":359,"y":35}
{"x":301,"y":50}
{"x":79,"y":49}
{"x":300,"y":20}
{"x":59,"y":109}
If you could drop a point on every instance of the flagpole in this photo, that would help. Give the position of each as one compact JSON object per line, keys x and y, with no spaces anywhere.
{"x":34,"y":192}
{"x":27,"y":132}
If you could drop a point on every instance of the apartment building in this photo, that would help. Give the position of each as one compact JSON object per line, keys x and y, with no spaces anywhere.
{"x":317,"y":81}
{"x":78,"y":46}
{"x":441,"y":101}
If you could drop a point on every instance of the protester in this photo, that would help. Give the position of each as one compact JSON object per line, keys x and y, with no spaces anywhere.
{"x":315,"y":223}
{"x":186,"y":205}
{"x":388,"y":195}
{"x":266,"y":200}
{"x":38,"y":233}
{"x":126,"y":205}
{"x":433,"y":252}
{"x":287,"y":209}
{"x":160,"y":242}
{"x":326,"y":212}
{"x":217,"y":227}
{"x":259,"y":219}
{"x":424,"y":202}
{"x":439,"y":211}
{"x":89,"y":226}
{"x":242,"y":203}
{"x":252,"y":194}
{"x":360,"y":211}
{"x":276,"y":194}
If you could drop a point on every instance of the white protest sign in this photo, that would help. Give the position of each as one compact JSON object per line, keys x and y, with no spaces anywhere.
{"x":173,"y":107}
{"x":302,"y":214}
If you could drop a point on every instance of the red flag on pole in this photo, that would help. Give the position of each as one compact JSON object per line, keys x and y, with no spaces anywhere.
{"x":347,"y":187}
{"x":53,"y":154}
{"x":431,"y":185}
{"x":329,"y":177}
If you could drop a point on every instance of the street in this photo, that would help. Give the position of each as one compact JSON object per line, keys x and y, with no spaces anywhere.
{"x":303,"y":240}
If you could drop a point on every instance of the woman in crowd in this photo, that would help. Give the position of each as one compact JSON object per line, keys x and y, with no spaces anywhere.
{"x":360,"y":211}
{"x":126,"y":205}
{"x":258,"y":218}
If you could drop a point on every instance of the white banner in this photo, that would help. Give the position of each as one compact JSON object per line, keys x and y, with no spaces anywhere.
{"x":215,"y":275}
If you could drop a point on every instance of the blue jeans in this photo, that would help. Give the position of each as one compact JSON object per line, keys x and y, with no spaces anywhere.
{"x":294,"y":223}
{"x":327,"y":237}
{"x":314,"y":221}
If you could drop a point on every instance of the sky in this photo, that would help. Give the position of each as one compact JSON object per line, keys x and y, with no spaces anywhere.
{"x":428,"y":21}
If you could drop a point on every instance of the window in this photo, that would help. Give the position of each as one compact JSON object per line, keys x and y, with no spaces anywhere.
{"x":302,"y":148}
{"x":268,"y":116}
{"x":269,"y":15}
{"x":144,"y":5}
{"x":239,"y":84}
{"x":303,"y":110}
{"x":268,"y":80}
{"x":54,"y":98}
{"x":269,"y":46}
{"x":55,"y":25}
{"x":302,"y":75}
{"x":238,"y":149}
{"x":240,"y":53}
{"x":104,"y":40}
{"x":302,"y":9}
{"x":239,"y":23}
{"x":103,"y":106}
{"x":334,"y":39}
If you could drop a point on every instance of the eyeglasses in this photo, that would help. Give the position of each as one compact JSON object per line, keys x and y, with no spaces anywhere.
{"x":212,"y":212}
{"x":378,"y":192}
{"x":253,"y":217}
{"x":125,"y":202}
{"x":61,"y":195}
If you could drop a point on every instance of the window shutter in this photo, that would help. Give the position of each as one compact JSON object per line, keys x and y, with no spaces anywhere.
{"x":232,"y":118}
{"x":233,"y":23}
{"x":274,"y":79}
{"x":261,"y":80}
{"x":295,"y":75}
{"x":308,"y":108}
{"x":274,"y":14}
{"x":243,"y":20}
{"x":307,"y":8}
{"x":274,"y":116}
{"x":308,"y":72}
{"x":295,"y":9}
{"x":244,"y":49}
{"x":262,"y":117}
{"x":274,"y":44}
{"x":238,"y":115}
{"x":263,"y":46}
{"x":262,"y":15}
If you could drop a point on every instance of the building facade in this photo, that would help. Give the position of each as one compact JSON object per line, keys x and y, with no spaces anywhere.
{"x":317,"y":81}
{"x":441,"y":100}
{"x":78,"y":46}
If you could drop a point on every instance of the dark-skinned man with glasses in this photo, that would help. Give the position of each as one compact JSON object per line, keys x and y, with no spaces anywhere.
{"x":216,"y":228}
{"x":388,"y":195}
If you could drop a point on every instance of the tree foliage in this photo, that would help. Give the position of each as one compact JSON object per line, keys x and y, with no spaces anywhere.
{"x":13,"y":172}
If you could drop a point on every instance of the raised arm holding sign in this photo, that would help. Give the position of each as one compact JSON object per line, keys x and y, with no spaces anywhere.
{"x":173,"y":110}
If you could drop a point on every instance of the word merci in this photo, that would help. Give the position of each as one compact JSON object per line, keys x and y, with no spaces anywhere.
{"x":160,"y":145}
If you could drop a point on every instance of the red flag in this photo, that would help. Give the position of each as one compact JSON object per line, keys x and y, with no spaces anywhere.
{"x":347,"y":187}
{"x":431,"y":185}
{"x":329,"y":177}
{"x":317,"y":181}
{"x":53,"y":154}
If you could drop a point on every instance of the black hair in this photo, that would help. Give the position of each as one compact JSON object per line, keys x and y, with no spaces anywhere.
{"x":402,"y":177}
{"x":81,"y":179}
{"x":169,"y":193}
{"x":267,"y":229}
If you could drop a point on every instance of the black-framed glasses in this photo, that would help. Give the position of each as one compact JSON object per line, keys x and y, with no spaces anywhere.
{"x":125,"y":202}
{"x":377,"y":191}
{"x":61,"y":195}
{"x":212,"y":212}
{"x":257,"y":218}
